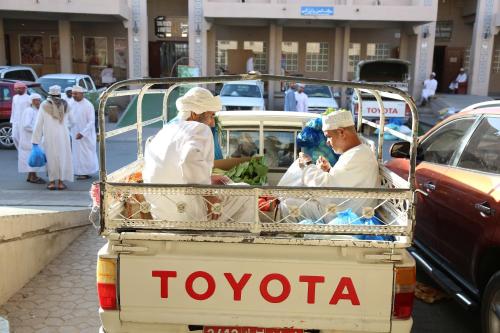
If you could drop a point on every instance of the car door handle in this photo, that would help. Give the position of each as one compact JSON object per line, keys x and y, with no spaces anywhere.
{"x":429,"y":186}
{"x":485,"y":209}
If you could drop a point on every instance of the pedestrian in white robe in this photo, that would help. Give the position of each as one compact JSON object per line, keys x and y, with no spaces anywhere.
{"x":68,"y":95}
{"x":51,"y":129}
{"x":183,"y":153}
{"x":26,"y":126}
{"x":301,"y":99}
{"x":20,"y":102}
{"x":429,"y":90}
{"x":356,"y":167}
{"x":459,"y":84}
{"x":82,"y":123}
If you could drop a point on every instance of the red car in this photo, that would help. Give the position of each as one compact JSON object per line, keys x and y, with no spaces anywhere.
{"x":457,"y":235}
{"x":6,"y":95}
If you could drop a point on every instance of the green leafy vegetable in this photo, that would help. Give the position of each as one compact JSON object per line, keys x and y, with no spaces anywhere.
{"x":253,"y":172}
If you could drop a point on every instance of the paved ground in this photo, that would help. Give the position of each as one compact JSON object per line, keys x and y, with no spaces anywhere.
{"x":62,"y":297}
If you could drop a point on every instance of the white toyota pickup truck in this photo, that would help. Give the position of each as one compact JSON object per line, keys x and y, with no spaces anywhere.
{"x":264,"y":275}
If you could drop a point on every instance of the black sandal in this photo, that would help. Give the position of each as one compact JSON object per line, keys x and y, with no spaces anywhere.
{"x":37,"y":181}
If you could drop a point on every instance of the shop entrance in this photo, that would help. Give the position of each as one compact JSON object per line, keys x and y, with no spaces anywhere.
{"x":163,"y":56}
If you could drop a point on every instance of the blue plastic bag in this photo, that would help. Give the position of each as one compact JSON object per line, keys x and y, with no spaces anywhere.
{"x":217,"y":147}
{"x":373,"y":221}
{"x":388,"y":136}
{"x":313,"y":142}
{"x":309,"y":137}
{"x":344,"y":217}
{"x":37,"y":157}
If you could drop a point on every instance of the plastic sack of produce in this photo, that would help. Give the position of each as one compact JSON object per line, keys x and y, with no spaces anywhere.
{"x":311,"y":222}
{"x":345,"y":217}
{"x":292,"y":176}
{"x":372,"y":221}
{"x":309,"y":137}
{"x":313,"y":142}
{"x":37,"y":157}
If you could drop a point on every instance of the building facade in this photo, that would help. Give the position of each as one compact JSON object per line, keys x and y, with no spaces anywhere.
{"x":320,"y":38}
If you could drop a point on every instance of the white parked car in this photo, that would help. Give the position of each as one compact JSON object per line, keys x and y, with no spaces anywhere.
{"x":22,"y":73}
{"x":242,"y":95}
{"x":67,"y":80}
{"x":320,"y":98}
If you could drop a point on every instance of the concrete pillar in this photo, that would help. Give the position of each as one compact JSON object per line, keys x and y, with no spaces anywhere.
{"x":138,"y":50}
{"x":424,"y":52}
{"x":210,"y":53}
{"x":338,"y":53}
{"x":65,"y":55}
{"x":3,"y":55}
{"x":345,"y":62}
{"x":482,"y":47}
{"x":403,"y":44}
{"x":197,"y":36}
{"x":271,"y":65}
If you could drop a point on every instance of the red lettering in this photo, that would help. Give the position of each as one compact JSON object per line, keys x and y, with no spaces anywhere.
{"x":237,"y":286}
{"x":311,"y":281}
{"x":210,"y":285}
{"x":351,"y":295}
{"x":285,"y":284}
{"x":164,"y":275}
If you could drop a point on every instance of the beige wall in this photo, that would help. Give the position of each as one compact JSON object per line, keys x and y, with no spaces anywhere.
{"x":172,"y":9}
{"x":15,"y":28}
{"x":494,"y":88}
{"x":453,"y":10}
{"x":305,"y":35}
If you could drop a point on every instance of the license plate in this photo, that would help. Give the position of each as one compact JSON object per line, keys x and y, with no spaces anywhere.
{"x":229,"y":329}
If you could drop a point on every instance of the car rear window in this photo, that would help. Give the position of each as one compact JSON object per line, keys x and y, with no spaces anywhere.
{"x":482,"y":152}
{"x":63,"y":83}
{"x":240,"y":90}
{"x":5,"y":94}
{"x":317,"y":91}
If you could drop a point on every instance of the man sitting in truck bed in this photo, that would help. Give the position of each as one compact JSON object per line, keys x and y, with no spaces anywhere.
{"x":183,"y":153}
{"x":356,"y":167}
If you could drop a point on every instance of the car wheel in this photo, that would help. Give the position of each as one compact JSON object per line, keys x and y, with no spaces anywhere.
{"x":6,"y":141}
{"x":490,"y":307}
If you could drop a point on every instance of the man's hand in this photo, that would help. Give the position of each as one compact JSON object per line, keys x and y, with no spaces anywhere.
{"x":304,"y":160}
{"x":323,"y":164}
{"x":78,"y":136}
{"x":211,"y":204}
{"x":220,"y":180}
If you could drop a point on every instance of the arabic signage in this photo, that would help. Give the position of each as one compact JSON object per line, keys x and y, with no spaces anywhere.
{"x":316,"y":11}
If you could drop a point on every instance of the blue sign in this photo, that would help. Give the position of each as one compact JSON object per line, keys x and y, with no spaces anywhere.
{"x":317,"y":11}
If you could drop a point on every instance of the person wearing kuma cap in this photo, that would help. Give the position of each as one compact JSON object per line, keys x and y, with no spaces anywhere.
{"x":20,"y":102}
{"x":356,"y":167}
{"x":182,"y":152}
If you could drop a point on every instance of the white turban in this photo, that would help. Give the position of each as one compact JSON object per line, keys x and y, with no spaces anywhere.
{"x":35,"y":96}
{"x":67,"y":89}
{"x":55,"y":90}
{"x":78,"y":89}
{"x":337,"y":119}
{"x":197,"y":100}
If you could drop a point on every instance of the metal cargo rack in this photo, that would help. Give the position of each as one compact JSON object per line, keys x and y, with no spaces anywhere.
{"x":395,"y":198}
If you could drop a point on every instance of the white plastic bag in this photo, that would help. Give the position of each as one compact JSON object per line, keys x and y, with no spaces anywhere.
{"x":292,"y":176}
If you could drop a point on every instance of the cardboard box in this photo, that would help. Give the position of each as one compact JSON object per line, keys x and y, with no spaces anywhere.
{"x":237,"y":61}
{"x":229,"y":163}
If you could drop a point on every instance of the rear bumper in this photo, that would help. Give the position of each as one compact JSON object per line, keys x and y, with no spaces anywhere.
{"x":111,"y":322}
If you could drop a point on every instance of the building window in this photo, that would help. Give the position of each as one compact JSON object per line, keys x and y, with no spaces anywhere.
{"x":31,"y":49}
{"x":54,"y":46}
{"x":221,"y":51}
{"x":163,"y":27}
{"x":466,"y":59}
{"x":377,"y":51}
{"x":495,"y":68}
{"x":290,"y":56}
{"x":120,"y":52}
{"x":95,"y":51}
{"x":316,"y":57}
{"x":354,"y":56}
{"x":184,"y":29}
{"x":260,"y":51}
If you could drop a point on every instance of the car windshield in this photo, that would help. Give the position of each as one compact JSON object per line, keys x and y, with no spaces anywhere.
{"x":63,"y":83}
{"x":37,"y":90}
{"x":240,"y":90}
{"x":317,"y":91}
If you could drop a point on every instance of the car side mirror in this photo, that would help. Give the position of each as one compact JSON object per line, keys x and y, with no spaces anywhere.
{"x":400,"y":150}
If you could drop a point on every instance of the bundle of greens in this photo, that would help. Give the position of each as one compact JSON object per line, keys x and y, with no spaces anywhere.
{"x":253,"y":172}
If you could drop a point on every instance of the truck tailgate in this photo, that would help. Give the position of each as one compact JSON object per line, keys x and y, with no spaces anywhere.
{"x":237,"y":284}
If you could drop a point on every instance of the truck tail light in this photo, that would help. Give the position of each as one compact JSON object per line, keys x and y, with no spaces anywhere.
{"x":356,"y":108}
{"x":404,"y":292}
{"x":407,"y":111}
{"x":106,"y":283}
